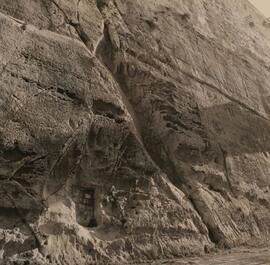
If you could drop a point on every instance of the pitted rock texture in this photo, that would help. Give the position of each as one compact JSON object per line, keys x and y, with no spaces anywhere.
{"x":132,"y":130}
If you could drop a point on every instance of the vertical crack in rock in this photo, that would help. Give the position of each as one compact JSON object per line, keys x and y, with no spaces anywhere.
{"x":227,"y":172}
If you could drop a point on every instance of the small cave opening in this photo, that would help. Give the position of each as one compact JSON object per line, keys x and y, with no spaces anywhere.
{"x":85,"y":206}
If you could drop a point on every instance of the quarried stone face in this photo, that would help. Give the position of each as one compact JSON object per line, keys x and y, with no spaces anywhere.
{"x":132,"y":130}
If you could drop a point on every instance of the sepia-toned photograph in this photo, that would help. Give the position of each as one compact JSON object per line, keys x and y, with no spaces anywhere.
{"x":134,"y":132}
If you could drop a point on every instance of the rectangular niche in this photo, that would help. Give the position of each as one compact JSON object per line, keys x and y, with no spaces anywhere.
{"x":84,"y":199}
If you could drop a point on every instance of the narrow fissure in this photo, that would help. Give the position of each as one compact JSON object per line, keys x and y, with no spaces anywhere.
{"x":227,"y":173}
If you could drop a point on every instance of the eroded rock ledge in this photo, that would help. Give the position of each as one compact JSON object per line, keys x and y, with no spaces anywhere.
{"x":132,"y":130}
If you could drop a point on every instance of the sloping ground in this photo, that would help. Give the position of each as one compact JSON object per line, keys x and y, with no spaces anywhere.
{"x":132,"y":129}
{"x":239,"y":257}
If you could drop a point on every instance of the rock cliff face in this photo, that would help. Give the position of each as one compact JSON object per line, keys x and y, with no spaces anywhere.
{"x":132,"y":130}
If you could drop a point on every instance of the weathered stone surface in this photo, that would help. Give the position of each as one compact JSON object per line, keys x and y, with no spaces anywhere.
{"x":132,"y":130}
{"x":241,"y":256}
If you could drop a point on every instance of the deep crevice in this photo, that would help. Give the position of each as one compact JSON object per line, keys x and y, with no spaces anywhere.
{"x":227,"y":173}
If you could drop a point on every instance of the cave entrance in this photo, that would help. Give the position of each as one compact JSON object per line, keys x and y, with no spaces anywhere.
{"x":85,"y":206}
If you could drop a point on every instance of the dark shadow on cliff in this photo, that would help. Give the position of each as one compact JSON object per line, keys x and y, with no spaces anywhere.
{"x":236,"y":129}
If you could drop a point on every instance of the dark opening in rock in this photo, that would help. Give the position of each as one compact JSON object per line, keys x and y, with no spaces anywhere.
{"x":92,"y":222}
{"x":85,"y":206}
